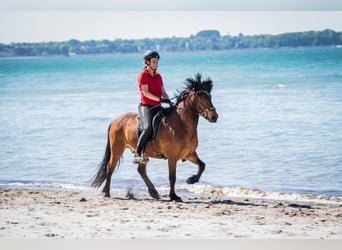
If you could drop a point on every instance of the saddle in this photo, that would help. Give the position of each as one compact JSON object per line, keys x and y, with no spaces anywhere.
{"x":155,"y":123}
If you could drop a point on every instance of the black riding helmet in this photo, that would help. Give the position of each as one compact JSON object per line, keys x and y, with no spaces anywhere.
{"x":151,"y":54}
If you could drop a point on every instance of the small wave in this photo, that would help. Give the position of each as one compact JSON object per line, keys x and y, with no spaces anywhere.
{"x":207,"y":190}
{"x":241,"y":192}
{"x":45,"y":185}
{"x":281,"y":86}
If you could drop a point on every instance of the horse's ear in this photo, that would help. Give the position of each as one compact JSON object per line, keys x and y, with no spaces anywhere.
{"x":198,"y":82}
{"x":207,"y":85}
{"x":192,"y":84}
{"x":198,"y":77}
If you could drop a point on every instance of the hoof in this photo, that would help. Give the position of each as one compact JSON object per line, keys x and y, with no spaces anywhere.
{"x":178,"y":199}
{"x":154,"y":194}
{"x":175,"y":198}
{"x":107,"y":195}
{"x":193,"y":179}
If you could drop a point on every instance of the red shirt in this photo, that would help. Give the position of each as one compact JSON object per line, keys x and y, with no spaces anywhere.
{"x":155,"y":84}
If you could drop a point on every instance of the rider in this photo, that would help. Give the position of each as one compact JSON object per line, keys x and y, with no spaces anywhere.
{"x":152,"y":94}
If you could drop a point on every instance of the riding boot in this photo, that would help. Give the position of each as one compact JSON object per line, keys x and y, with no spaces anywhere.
{"x":142,"y":141}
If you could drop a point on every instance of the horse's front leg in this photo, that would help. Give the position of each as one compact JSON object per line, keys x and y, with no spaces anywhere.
{"x":172,"y":178}
{"x":201,"y":166}
{"x":151,"y":189}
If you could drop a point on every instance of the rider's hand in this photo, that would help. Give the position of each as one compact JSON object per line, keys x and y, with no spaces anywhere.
{"x":165,"y":100}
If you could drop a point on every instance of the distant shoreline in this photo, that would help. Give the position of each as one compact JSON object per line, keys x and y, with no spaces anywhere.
{"x":171,"y":52}
{"x":205,"y":40}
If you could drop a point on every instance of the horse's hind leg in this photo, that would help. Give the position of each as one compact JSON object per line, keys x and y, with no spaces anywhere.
{"x":151,"y":189}
{"x":201,"y":166}
{"x":106,"y":188}
{"x":114,"y":159}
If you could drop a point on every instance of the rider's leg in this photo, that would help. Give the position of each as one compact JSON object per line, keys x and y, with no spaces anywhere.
{"x":146,"y":119}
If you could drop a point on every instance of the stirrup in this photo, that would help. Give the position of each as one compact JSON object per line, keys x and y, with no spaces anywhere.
{"x":139,"y":159}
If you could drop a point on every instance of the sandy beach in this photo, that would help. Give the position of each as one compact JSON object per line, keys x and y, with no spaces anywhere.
{"x":43,"y":214}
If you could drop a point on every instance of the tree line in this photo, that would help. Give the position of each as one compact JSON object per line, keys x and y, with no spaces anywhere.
{"x":203,"y":40}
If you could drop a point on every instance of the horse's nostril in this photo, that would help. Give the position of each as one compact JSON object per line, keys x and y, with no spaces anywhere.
{"x":214,"y":119}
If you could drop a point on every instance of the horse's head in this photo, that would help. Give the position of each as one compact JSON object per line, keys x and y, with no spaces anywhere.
{"x":198,"y":94}
{"x":204,"y":105}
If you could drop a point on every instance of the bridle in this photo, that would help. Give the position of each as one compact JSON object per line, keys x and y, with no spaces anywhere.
{"x":204,"y":112}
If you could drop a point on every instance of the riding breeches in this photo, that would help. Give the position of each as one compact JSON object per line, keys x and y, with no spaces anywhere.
{"x":146,"y":114}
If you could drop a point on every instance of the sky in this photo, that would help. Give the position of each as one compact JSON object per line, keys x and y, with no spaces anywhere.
{"x":41,"y":20}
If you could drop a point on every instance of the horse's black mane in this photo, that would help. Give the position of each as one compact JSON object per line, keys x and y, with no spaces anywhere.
{"x":195,"y":84}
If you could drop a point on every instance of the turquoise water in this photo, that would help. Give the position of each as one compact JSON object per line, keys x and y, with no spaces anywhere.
{"x":279,"y":127}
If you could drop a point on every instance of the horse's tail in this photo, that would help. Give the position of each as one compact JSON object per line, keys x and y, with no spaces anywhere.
{"x":101,"y":174}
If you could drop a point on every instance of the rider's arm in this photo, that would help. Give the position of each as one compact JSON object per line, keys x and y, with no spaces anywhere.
{"x":148,"y":94}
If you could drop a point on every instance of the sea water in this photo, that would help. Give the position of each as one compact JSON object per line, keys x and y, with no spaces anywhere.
{"x":279,"y":132}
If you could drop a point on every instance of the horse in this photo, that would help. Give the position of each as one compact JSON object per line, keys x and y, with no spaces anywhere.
{"x":176,"y":140}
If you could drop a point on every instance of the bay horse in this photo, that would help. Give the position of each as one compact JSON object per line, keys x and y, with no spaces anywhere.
{"x":176,"y":140}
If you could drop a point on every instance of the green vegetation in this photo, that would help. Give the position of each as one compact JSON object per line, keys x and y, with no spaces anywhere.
{"x":203,"y":40}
